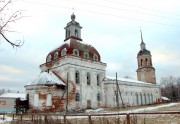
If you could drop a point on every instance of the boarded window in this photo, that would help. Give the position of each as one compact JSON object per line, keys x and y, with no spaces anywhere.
{"x":49,"y":100}
{"x":36,"y":100}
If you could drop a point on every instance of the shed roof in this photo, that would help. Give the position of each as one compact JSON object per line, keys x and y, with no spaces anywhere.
{"x":47,"y":78}
{"x":22,"y":96}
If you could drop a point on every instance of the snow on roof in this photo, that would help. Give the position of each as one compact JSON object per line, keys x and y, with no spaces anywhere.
{"x":47,"y":78}
{"x":22,"y":96}
{"x":165,"y":98}
{"x":125,"y":80}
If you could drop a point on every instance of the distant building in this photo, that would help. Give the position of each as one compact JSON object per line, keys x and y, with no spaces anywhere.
{"x":74,"y":77}
{"x":8,"y":101}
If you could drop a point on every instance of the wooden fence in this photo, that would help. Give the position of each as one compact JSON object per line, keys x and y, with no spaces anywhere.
{"x":87,"y":118}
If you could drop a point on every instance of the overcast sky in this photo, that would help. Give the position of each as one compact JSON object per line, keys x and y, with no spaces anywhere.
{"x":111,"y":26}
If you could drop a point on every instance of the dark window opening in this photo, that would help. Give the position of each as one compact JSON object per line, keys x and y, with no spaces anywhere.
{"x":88,"y":79}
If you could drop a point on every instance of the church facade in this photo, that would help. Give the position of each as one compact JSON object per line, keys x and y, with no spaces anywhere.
{"x":74,"y":77}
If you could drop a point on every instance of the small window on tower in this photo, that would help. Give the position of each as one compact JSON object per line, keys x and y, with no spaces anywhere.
{"x":76,"y":52}
{"x":141,"y":62}
{"x":76,"y":33}
{"x":146,"y":62}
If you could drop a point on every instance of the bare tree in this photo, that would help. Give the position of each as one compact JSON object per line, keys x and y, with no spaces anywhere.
{"x":6,"y":19}
{"x":170,"y":88}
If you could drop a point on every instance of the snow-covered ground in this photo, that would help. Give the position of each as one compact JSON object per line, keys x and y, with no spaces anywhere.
{"x":145,"y":109}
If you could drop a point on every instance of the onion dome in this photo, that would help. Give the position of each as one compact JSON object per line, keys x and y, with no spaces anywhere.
{"x":144,"y":52}
{"x":73,"y":45}
{"x":75,"y":48}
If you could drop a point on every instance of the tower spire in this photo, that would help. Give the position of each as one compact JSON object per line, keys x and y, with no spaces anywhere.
{"x":143,"y":45}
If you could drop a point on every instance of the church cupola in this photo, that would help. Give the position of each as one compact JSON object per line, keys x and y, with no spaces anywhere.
{"x":73,"y":29}
{"x":145,"y":71}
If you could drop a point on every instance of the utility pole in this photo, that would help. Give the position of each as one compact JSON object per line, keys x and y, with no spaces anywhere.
{"x":117,"y":96}
{"x":67,"y":93}
{"x":118,"y":89}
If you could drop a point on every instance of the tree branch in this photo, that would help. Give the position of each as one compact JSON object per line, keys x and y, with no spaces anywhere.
{"x":19,"y":44}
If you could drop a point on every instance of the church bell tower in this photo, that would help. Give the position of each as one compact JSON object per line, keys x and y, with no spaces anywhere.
{"x":145,"y":71}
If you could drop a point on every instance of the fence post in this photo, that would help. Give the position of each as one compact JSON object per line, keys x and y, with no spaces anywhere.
{"x":64,"y":119}
{"x":89,"y":119}
{"x":21,"y":117}
{"x":128,"y":119}
{"x":3,"y":116}
{"x":13,"y":116}
{"x":32,"y":117}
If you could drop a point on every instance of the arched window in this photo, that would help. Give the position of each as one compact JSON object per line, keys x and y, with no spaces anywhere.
{"x":98,"y":80}
{"x":49,"y":58}
{"x":98,"y":97}
{"x":76,"y":33}
{"x":56,"y":55}
{"x":149,"y":101}
{"x":152,"y":98}
{"x":95,"y":57}
{"x":88,"y":79}
{"x":76,"y":52}
{"x":145,"y":101}
{"x":86,"y":55}
{"x":77,"y":77}
{"x":137,"y":99}
{"x":141,"y":99}
{"x":141,"y":62}
{"x":63,"y":52}
{"x":77,"y":97}
{"x":146,"y":60}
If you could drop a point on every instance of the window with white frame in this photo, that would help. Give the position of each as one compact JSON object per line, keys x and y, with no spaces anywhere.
{"x":76,"y":52}
{"x":56,"y":55}
{"x":63,"y":52}
{"x":49,"y":58}
{"x":95,"y":57}
{"x":86,"y":55}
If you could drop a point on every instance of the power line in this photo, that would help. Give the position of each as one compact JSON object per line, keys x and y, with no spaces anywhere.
{"x":101,"y":13}
{"x":120,"y":9}
{"x":136,"y":6}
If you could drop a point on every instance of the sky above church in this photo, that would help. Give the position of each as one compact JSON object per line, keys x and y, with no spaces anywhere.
{"x":111,"y":26}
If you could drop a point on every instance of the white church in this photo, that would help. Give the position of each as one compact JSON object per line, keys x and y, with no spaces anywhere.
{"x":74,"y":77}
